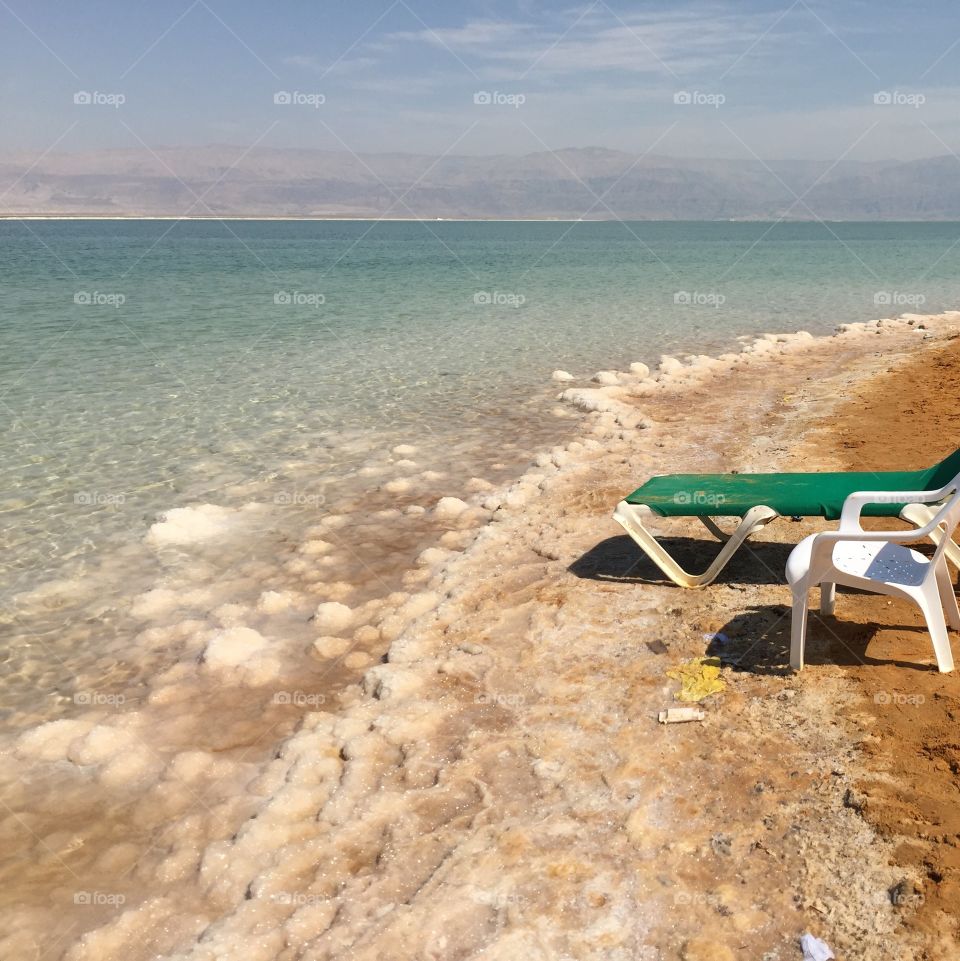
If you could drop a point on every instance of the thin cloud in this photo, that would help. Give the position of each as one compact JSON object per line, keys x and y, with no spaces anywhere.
{"x":654,"y":42}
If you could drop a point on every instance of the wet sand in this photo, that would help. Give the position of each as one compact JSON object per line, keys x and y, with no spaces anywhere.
{"x":498,"y":787}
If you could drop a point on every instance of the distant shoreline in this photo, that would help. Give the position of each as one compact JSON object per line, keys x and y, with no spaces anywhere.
{"x":459,"y":220}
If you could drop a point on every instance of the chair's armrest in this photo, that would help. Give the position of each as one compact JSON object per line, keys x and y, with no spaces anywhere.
{"x":854,"y":504}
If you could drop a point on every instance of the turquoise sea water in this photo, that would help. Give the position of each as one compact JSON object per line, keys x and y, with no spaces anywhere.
{"x":146,"y":365}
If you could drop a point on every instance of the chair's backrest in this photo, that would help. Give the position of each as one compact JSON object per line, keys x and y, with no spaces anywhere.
{"x":948,"y":516}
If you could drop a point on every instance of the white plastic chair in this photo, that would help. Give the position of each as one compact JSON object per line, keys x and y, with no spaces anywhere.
{"x":877,"y":561}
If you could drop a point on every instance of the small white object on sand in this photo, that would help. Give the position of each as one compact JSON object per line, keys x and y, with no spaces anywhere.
{"x":562,"y":376}
{"x":814,"y":949}
{"x":678,"y":715}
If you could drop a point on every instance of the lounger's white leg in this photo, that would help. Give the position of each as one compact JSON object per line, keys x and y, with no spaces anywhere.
{"x":798,"y":625}
{"x":920,"y":514}
{"x":628,"y":516}
{"x":948,"y":599}
{"x":718,"y":532}
{"x":828,"y":598}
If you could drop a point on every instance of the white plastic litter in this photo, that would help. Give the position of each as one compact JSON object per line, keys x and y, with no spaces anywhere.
{"x":677,"y":715}
{"x":814,"y":949}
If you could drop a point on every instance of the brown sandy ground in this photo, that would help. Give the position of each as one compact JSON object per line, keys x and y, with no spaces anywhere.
{"x":910,"y":735}
{"x":499,"y":787}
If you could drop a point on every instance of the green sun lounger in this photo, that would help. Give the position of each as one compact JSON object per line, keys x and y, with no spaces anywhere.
{"x":756,"y":499}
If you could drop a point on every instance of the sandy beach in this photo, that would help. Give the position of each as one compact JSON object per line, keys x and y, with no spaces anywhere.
{"x":497,"y":786}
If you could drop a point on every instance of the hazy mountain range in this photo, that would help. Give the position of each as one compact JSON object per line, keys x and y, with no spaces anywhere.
{"x":592,"y":183}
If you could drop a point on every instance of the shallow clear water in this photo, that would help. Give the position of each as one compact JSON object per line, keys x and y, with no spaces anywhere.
{"x":146,"y":365}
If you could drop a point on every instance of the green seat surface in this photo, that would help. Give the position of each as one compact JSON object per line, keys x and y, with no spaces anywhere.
{"x":802,"y":495}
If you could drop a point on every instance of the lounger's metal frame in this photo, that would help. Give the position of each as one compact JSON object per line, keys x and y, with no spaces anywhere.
{"x":629,"y":517}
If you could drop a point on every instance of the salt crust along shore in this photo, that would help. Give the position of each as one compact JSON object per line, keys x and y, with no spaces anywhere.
{"x":498,"y":788}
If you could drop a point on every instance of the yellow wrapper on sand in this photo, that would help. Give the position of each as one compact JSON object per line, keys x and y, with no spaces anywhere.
{"x":699,"y":678}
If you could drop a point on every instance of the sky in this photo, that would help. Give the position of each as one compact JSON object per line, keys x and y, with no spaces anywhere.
{"x":772,"y":80}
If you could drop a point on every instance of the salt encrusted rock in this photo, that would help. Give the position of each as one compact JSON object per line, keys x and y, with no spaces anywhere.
{"x":419,"y":604}
{"x":669,"y":364}
{"x":334,"y":521}
{"x":406,"y":464}
{"x":391,"y":627}
{"x":316,"y":547}
{"x":404,"y":450}
{"x":640,"y":370}
{"x":415,"y":510}
{"x":562,"y":376}
{"x":357,"y":660}
{"x":183,"y":526}
{"x":594,"y":399}
{"x":275,"y":602}
{"x":332,"y":617}
{"x":606,"y":378}
{"x":155,"y":603}
{"x":477,"y":485}
{"x":432,"y":557}
{"x":389,"y":682}
{"x":456,"y":540}
{"x":399,"y":485}
{"x":50,"y":741}
{"x":232,"y":647}
{"x":331,"y":646}
{"x":368,"y":634}
{"x":449,"y":508}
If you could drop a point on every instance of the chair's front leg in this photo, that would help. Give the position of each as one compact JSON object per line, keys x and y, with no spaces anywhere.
{"x":798,"y":624}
